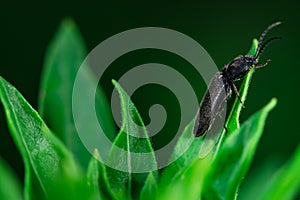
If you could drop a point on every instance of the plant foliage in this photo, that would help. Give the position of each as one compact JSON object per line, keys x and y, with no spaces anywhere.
{"x":57,"y":166}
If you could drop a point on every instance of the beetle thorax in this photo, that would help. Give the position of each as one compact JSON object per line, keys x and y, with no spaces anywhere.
{"x":239,"y":67}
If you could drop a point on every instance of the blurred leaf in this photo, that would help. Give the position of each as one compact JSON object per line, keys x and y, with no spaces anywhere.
{"x":187,"y":157}
{"x":149,"y":190}
{"x":53,"y":165}
{"x":236,"y":153}
{"x":97,"y":178}
{"x":64,"y":56}
{"x":127,"y":151}
{"x":188,"y":184}
{"x":93,"y":174}
{"x":285,"y":183}
{"x":10,"y":187}
{"x":255,"y":180}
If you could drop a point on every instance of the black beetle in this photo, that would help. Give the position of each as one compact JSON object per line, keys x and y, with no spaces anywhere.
{"x":222,"y":85}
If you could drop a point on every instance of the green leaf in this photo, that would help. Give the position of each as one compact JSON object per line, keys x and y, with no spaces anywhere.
{"x":97,"y":178}
{"x":64,"y":56}
{"x":149,"y":190}
{"x":232,"y":122}
{"x":285,"y":183}
{"x":236,"y":153}
{"x":187,"y":157}
{"x":233,"y":119}
{"x":255,"y":180}
{"x":93,"y":174}
{"x":126,"y":154}
{"x":53,"y":165}
{"x":200,"y":147}
{"x":32,"y":187}
{"x":10,"y":187}
{"x":188,"y":183}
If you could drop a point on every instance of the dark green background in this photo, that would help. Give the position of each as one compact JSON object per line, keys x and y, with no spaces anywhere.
{"x":224,"y":28}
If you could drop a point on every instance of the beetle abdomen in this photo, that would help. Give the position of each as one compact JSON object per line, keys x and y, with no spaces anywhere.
{"x":212,"y":104}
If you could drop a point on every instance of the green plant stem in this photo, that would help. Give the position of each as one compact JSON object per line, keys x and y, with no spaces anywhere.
{"x":232,"y":122}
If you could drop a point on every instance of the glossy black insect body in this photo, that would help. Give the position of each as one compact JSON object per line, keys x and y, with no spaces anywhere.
{"x":222,"y":85}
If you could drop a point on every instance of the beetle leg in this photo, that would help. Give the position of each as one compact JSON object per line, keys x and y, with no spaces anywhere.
{"x":226,"y":130}
{"x":262,"y":65}
{"x":232,"y":85}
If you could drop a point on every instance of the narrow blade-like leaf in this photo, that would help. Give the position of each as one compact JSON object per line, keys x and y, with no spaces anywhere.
{"x":199,"y":146}
{"x":65,"y":55}
{"x":285,"y":183}
{"x":188,"y":183}
{"x":232,"y":122}
{"x":126,"y":156}
{"x":187,"y":157}
{"x":234,"y":116}
{"x":236,"y":153}
{"x":10,"y":188}
{"x":51,"y":162}
{"x":149,"y":190}
{"x":97,"y":178}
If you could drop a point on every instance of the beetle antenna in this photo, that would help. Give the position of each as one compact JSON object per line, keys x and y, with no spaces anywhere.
{"x":262,"y":36}
{"x":262,"y":48}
